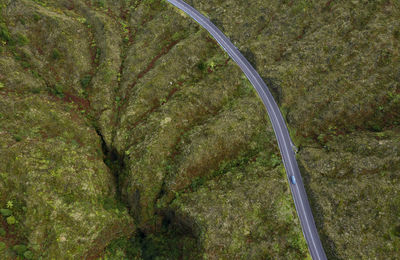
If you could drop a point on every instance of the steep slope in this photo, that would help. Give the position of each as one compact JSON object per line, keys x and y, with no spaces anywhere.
{"x":106,"y":102}
{"x":337,"y":66}
{"x":57,"y":196}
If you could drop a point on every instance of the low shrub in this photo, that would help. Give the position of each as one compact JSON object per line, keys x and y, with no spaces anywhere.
{"x":2,"y":246}
{"x":19,"y":249}
{"x":4,"y":33}
{"x":21,"y":39}
{"x":85,"y":81}
{"x":56,"y":54}
{"x":28,"y":254}
{"x":11,"y":220}
{"x":58,"y":90}
{"x":5,"y":212}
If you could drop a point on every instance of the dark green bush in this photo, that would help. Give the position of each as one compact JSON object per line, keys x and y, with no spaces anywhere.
{"x":25,"y":64}
{"x":86,"y":80}
{"x":17,"y":138}
{"x":28,"y":255}
{"x":35,"y":90}
{"x":202,"y":66}
{"x":56,"y":54}
{"x":100,"y":3}
{"x":5,"y":212}
{"x":36,"y":17}
{"x":21,"y":39}
{"x":4,"y":33}
{"x":2,"y":246}
{"x":57,"y":90}
{"x":19,"y":249}
{"x":11,"y":220}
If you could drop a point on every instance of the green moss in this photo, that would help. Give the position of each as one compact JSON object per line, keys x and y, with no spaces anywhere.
{"x":55,"y":54}
{"x":54,"y":130}
{"x":5,"y":212}
{"x":57,"y":90}
{"x":100,"y":3}
{"x":2,"y":232}
{"x":41,"y":2}
{"x":223,"y":203}
{"x":28,"y":255}
{"x":189,"y":128}
{"x":85,"y":81}
{"x":4,"y":33}
{"x":11,"y":220}
{"x":21,"y":39}
{"x":2,"y":246}
{"x":20,"y":249}
{"x":123,"y":248}
{"x":36,"y":17}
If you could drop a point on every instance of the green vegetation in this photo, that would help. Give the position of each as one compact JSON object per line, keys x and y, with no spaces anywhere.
{"x":85,"y":81}
{"x":28,"y":254}
{"x":11,"y":220}
{"x":20,"y":249}
{"x":55,"y":54}
{"x":36,"y":17}
{"x":145,"y":141}
{"x":21,"y":39}
{"x":2,"y":246}
{"x":4,"y":33}
{"x":58,"y":90}
{"x":5,"y":212}
{"x":171,"y":242}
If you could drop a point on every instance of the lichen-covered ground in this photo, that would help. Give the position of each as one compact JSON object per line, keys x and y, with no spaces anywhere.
{"x":127,"y":133}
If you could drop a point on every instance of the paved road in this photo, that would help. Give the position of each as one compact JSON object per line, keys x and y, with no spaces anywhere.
{"x":281,"y":132}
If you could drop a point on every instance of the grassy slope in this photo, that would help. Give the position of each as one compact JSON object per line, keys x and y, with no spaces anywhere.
{"x":188,"y":139}
{"x":181,"y":120}
{"x":53,"y":178}
{"x":337,"y":64}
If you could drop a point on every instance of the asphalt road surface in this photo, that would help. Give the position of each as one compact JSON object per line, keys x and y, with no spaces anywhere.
{"x":281,"y":132}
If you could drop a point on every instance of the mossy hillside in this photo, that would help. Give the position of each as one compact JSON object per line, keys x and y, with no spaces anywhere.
{"x":171,"y":241}
{"x":239,"y":203}
{"x":242,"y":214}
{"x":165,"y":99}
{"x":159,"y":85}
{"x":196,"y":153}
{"x":337,"y":66}
{"x":226,"y":137}
{"x":154,"y":96}
{"x":142,"y":88}
{"x":107,"y":54}
{"x":51,"y":54}
{"x":362,"y":171}
{"x":54,"y":173}
{"x":166,"y":125}
{"x":147,"y":46}
{"x":174,"y":113}
{"x":64,"y":196}
{"x":139,"y":135}
{"x":335,"y":61}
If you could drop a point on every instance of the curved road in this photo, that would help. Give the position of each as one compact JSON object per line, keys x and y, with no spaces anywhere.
{"x":281,"y":132}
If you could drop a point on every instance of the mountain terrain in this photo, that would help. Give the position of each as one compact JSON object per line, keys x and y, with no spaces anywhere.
{"x":126,"y":132}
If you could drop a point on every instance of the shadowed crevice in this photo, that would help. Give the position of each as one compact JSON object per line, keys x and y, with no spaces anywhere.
{"x":115,"y":163}
{"x":175,"y":236}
